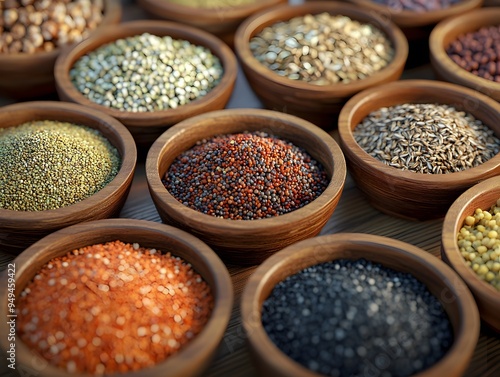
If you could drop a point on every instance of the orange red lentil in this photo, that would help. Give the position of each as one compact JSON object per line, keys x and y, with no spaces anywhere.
{"x":112,"y":307}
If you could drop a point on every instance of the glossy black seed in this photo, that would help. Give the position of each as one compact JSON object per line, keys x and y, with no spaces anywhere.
{"x":357,"y":318}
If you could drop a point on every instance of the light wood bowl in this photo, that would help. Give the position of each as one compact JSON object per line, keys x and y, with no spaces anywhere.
{"x":195,"y":356}
{"x":246,"y":242}
{"x":25,"y":76}
{"x":19,"y":229}
{"x":446,"y":32}
{"x":404,"y":193}
{"x":441,"y":280}
{"x":319,"y":104}
{"x":483,"y":195}
{"x":221,"y":21}
{"x":147,"y":126}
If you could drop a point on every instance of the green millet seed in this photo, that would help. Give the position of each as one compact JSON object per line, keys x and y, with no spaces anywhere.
{"x":146,"y":73}
{"x":479,"y":243}
{"x":49,"y":164}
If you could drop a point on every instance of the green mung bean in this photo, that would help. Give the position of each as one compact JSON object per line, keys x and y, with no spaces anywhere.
{"x":146,"y":73}
{"x":49,"y":164}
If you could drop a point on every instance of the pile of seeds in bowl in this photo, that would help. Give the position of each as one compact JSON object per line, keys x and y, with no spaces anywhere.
{"x":245,"y":176}
{"x":426,"y":138}
{"x":478,"y":52}
{"x":357,"y":318}
{"x":30,"y":26}
{"x":417,"y":5}
{"x":113,"y":307}
{"x":146,"y":73}
{"x":479,"y":243}
{"x":218,"y":4}
{"x":322,"y":49}
{"x":51,"y":164}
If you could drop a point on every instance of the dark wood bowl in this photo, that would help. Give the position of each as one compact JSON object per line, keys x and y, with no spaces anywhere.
{"x":221,"y":21}
{"x":404,"y":193}
{"x":319,"y":104}
{"x":19,"y":229}
{"x":441,"y":280}
{"x":446,"y":32}
{"x":189,"y":361}
{"x":147,"y":126}
{"x":25,"y":76}
{"x":483,"y":195}
{"x":246,"y":242}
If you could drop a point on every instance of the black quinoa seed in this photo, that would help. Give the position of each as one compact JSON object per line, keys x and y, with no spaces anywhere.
{"x":357,"y":319}
{"x":245,"y":176}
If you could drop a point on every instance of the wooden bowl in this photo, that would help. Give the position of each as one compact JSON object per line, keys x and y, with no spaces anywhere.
{"x":483,"y":195}
{"x":404,"y":193}
{"x":446,"y":32}
{"x":24,"y":76}
{"x":19,"y":229}
{"x":221,"y":21}
{"x":189,"y":361}
{"x":319,"y":104}
{"x":147,"y":126}
{"x":246,"y":242}
{"x":400,"y":256}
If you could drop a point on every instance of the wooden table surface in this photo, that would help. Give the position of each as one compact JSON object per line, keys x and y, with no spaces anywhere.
{"x":353,"y":214}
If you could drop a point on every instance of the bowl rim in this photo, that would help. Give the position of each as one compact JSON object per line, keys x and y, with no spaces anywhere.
{"x":443,"y":63}
{"x":214,"y":224}
{"x":219,"y":14}
{"x":251,"y":309}
{"x":126,"y":147}
{"x":253,"y":24}
{"x":111,"y":15}
{"x":449,"y":247}
{"x":355,"y":152}
{"x":193,"y":351}
{"x":409,"y":18}
{"x":111,"y":33}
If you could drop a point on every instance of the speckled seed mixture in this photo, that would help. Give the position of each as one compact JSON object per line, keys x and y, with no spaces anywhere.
{"x":418,"y":5}
{"x":322,"y":49}
{"x":245,"y":176}
{"x":113,"y":307}
{"x":357,"y":319}
{"x":146,"y":73}
{"x":426,"y":138}
{"x":50,"y":164}
{"x":479,"y":243}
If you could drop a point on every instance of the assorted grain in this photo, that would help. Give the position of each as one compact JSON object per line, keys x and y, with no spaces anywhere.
{"x":426,"y":138}
{"x":49,"y":164}
{"x":30,"y":26}
{"x":357,"y":318}
{"x":417,"y":5}
{"x":112,"y":308}
{"x":146,"y":73}
{"x":478,"y":52}
{"x":322,"y":49}
{"x":245,"y":176}
{"x":479,"y":243}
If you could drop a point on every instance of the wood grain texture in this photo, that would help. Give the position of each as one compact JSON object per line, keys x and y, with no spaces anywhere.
{"x":319,"y":104}
{"x":147,"y":126}
{"x":442,"y":281}
{"x":446,"y":32}
{"x":25,"y":76}
{"x":247,"y":242}
{"x":221,"y":21}
{"x":19,"y":229}
{"x":193,"y":359}
{"x":483,"y":195}
{"x":404,"y":193}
